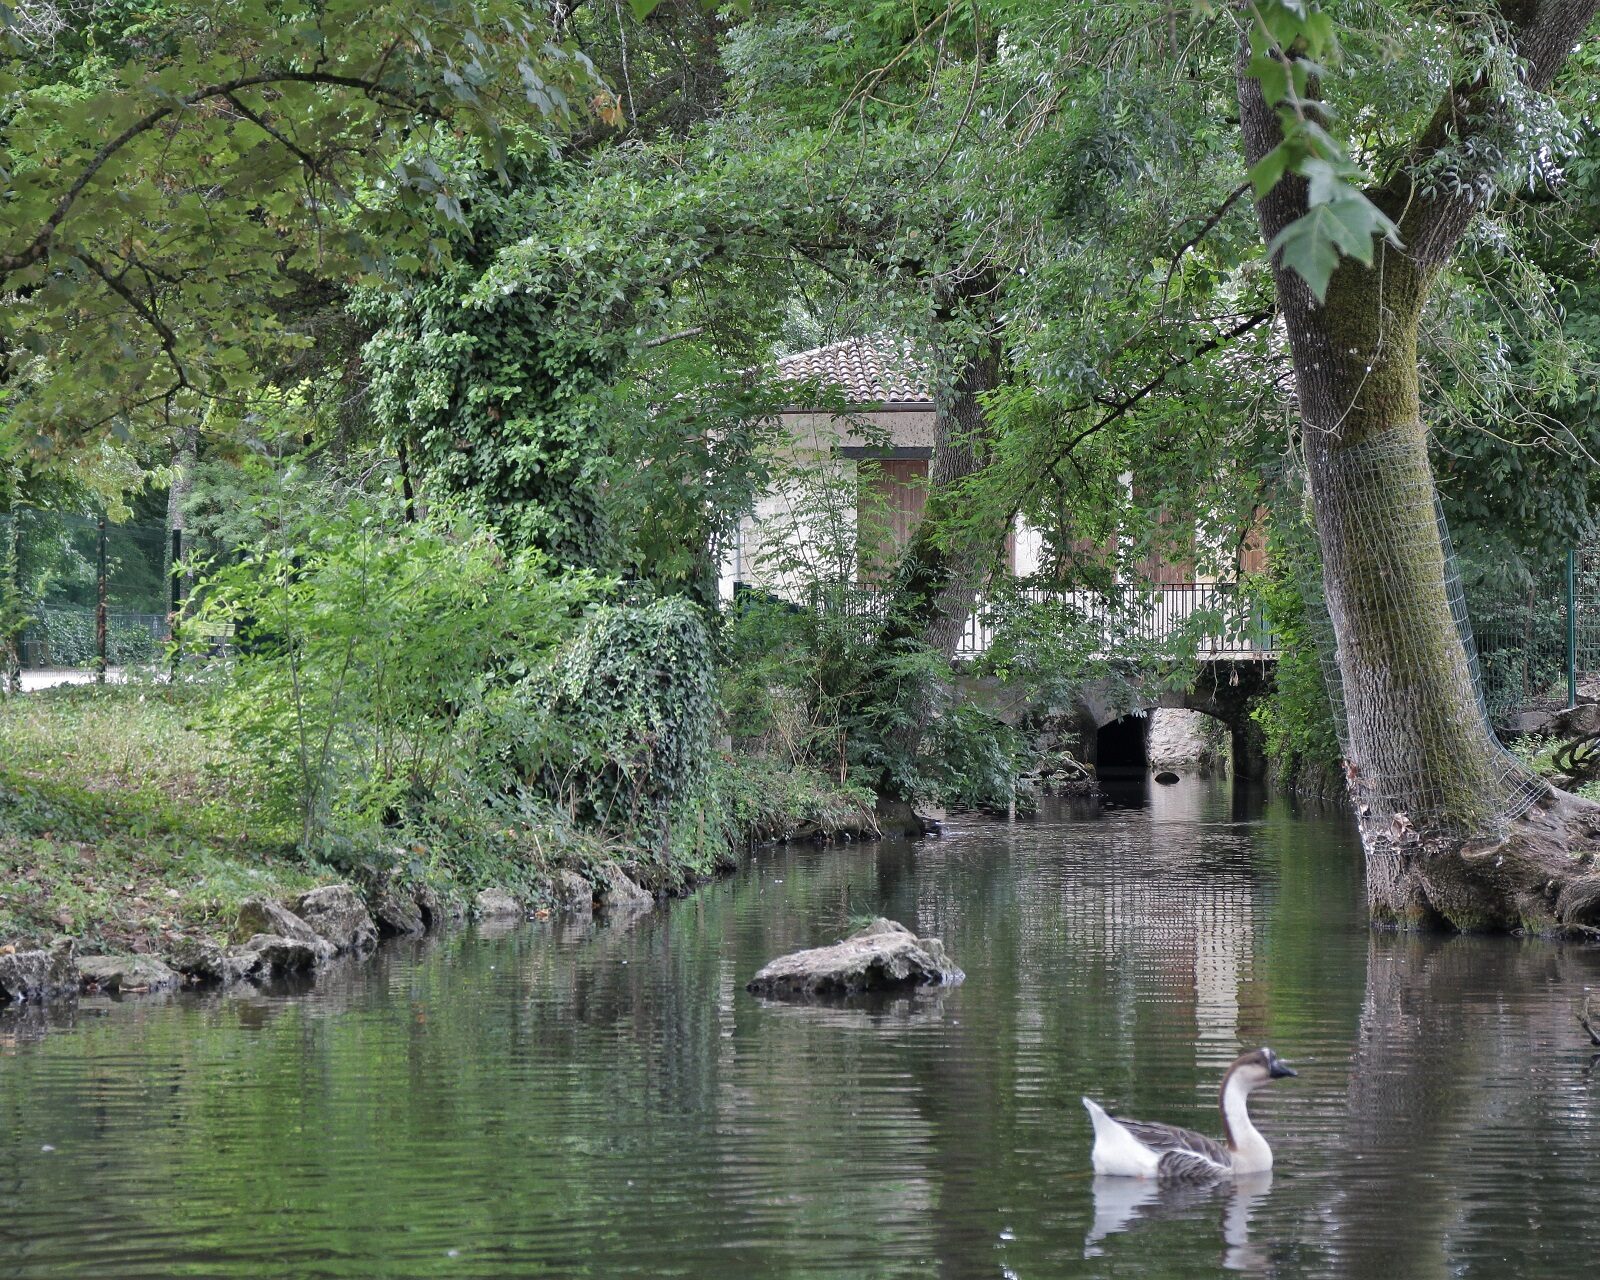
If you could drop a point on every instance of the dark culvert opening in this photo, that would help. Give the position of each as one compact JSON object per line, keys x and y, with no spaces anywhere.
{"x":1120,"y":745}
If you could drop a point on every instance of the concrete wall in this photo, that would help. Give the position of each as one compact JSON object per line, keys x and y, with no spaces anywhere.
{"x":1184,"y":740}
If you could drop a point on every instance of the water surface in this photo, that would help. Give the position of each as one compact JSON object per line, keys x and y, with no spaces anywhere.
{"x":608,"y":1101}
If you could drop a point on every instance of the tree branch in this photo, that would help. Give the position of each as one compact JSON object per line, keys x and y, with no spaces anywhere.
{"x":38,"y":249}
{"x":1116,"y":409}
{"x":1205,"y":229}
{"x":1432,"y":222}
{"x":693,"y":332}
{"x":306,"y":158}
{"x":146,"y":312}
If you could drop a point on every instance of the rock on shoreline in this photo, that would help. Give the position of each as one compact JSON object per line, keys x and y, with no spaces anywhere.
{"x":336,"y":914}
{"x":127,"y":973}
{"x":884,"y":956}
{"x":33,"y":976}
{"x":271,"y":938}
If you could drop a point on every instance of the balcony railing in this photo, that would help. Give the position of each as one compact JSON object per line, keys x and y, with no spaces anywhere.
{"x":1221,"y":618}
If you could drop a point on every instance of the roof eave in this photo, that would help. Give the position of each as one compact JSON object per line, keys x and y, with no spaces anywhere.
{"x":866,"y":406}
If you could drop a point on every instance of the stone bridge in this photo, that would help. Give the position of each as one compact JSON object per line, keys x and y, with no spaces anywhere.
{"x":1226,"y":688}
{"x":1110,"y":731}
{"x":1235,"y":647}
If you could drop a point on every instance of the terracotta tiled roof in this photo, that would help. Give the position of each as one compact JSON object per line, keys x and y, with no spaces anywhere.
{"x":870,"y":371}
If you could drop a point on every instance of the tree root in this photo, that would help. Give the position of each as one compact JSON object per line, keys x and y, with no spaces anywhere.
{"x":1590,"y":1022}
{"x":1539,"y":877}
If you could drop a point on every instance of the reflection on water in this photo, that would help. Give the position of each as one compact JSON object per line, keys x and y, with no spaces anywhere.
{"x":1121,"y":1203}
{"x":607,"y":1100}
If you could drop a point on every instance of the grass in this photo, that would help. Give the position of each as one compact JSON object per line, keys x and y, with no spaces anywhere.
{"x":128,"y":826}
{"x":768,"y":799}
{"x":124,"y":825}
{"x":1538,"y":752}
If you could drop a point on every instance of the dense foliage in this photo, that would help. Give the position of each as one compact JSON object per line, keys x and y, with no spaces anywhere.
{"x":454,"y":321}
{"x":621,"y":724}
{"x":372,"y":660}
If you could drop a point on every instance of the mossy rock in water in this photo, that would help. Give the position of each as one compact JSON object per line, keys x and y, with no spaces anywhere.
{"x":884,"y":956}
{"x":127,"y":973}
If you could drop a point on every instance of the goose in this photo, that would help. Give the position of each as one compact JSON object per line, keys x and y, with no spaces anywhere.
{"x":1131,"y":1149}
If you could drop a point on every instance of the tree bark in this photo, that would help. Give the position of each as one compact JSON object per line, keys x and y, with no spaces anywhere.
{"x":948,"y":560}
{"x":936,"y":585}
{"x":1445,"y":815}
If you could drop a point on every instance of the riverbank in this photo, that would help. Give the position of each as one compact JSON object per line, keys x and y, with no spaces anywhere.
{"x":130,"y":828}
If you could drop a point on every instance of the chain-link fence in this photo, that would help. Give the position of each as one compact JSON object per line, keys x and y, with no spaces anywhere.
{"x":1522,"y":646}
{"x":1540,"y":645}
{"x":77,"y":590}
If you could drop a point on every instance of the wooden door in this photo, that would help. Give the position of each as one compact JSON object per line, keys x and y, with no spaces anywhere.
{"x":890,"y":500}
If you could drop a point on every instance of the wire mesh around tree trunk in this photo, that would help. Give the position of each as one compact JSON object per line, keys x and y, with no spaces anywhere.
{"x":1421,"y":755}
{"x":1586,"y":615}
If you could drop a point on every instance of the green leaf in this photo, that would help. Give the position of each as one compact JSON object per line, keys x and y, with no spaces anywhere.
{"x":1313,"y":243}
{"x":1264,"y":174}
{"x":1268,"y":70}
{"x":1327,"y":180}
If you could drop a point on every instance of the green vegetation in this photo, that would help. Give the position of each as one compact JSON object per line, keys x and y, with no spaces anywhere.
{"x":122,"y":823}
{"x":1300,"y":737}
{"x":451,"y":334}
{"x":129,"y":821}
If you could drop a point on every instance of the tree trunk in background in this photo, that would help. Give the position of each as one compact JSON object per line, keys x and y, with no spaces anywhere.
{"x":1454,"y":831}
{"x":936,"y":586}
{"x":942,"y":571}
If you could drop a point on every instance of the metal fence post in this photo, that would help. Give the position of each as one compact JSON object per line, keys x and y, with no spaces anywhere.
{"x":11,"y":651}
{"x":1572,"y":627}
{"x":177,"y":597}
{"x":100,"y":601}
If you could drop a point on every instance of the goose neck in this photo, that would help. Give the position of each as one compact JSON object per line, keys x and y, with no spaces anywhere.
{"x":1246,"y":1145}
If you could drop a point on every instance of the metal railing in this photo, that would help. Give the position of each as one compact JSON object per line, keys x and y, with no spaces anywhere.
{"x":1221,"y":618}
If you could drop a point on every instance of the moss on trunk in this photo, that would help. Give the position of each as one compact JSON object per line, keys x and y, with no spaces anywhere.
{"x":1443,"y":811}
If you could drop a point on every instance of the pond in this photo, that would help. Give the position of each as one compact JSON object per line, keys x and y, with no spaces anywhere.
{"x":608,"y":1101}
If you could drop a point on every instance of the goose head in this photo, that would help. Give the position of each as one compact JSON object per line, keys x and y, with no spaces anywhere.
{"x":1256,"y":1068}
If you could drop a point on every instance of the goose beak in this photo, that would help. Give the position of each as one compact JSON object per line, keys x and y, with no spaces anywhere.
{"x":1280,"y":1068}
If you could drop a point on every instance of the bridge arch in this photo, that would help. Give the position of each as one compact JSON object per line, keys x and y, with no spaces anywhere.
{"x":1225,"y":689}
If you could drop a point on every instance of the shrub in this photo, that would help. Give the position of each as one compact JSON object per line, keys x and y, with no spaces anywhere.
{"x":621,"y":721}
{"x":979,"y":761}
{"x":372,"y":658}
{"x":69,"y":636}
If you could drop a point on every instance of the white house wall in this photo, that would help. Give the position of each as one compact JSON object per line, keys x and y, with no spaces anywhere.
{"x":813,"y":440}
{"x":888,"y":428}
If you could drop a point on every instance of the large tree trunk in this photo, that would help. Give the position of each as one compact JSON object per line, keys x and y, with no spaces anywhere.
{"x":944,"y":567}
{"x":1455,"y":830}
{"x":1421,"y":749}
